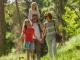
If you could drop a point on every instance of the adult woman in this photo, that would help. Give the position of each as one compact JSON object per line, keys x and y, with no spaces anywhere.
{"x":33,"y":10}
{"x":50,"y":35}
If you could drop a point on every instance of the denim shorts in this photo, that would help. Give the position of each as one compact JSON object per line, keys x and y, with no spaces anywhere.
{"x":28,"y":45}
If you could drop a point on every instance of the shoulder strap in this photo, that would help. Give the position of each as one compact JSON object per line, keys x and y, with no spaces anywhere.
{"x":39,"y":27}
{"x":54,"y":25}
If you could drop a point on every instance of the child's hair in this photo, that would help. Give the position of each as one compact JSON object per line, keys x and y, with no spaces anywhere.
{"x":34,"y":3}
{"x":35,"y":15}
{"x":48,"y":14}
{"x":24,"y":23}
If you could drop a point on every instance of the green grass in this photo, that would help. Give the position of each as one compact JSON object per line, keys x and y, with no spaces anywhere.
{"x":70,"y":51}
{"x":14,"y":57}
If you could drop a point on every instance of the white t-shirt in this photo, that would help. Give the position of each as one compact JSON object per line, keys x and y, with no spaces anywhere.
{"x":37,"y":30}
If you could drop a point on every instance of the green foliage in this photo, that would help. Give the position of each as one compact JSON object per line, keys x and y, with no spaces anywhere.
{"x":71,"y":49}
{"x":70,"y":19}
{"x":9,"y":41}
{"x":47,"y":6}
{"x":9,"y":11}
{"x":14,"y":57}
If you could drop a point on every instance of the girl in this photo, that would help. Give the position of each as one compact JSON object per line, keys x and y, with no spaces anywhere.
{"x":28,"y":33}
{"x":17,"y":41}
{"x":33,"y":10}
{"x":50,"y":35}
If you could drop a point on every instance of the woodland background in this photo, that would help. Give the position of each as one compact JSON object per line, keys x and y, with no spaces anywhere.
{"x":12,"y":14}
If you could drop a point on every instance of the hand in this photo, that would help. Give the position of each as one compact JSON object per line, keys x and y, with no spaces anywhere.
{"x":41,"y":41}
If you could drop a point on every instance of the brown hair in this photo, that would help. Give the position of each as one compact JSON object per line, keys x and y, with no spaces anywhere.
{"x":35,"y":15}
{"x":48,"y":14}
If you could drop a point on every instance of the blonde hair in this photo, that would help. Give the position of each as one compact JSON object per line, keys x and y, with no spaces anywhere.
{"x":24,"y":23}
{"x":36,"y":5}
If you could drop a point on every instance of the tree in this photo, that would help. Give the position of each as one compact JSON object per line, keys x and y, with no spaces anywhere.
{"x":72,"y":18}
{"x":2,"y":27}
{"x":18,"y":13}
{"x":27,"y":4}
{"x":59,"y":11}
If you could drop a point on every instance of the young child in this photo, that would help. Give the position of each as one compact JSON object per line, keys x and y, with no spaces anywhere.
{"x":28,"y":33}
{"x":50,"y":35}
{"x":17,"y":41}
{"x":36,"y":26}
{"x":33,"y":10}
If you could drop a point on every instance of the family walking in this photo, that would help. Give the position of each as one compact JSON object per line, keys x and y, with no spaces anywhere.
{"x":33,"y":33}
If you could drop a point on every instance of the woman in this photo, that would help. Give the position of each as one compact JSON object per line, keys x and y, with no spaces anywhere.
{"x":50,"y":35}
{"x":33,"y":10}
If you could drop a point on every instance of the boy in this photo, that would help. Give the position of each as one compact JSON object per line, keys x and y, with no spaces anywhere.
{"x":36,"y":26}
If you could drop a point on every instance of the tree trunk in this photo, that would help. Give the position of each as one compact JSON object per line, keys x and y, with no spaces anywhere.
{"x":18,"y":14}
{"x":2,"y":27}
{"x":59,"y":11}
{"x":27,"y":3}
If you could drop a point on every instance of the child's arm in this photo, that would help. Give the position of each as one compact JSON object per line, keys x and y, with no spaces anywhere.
{"x":35,"y":37}
{"x":43,"y":28}
{"x":21,"y":36}
{"x":43,"y":33}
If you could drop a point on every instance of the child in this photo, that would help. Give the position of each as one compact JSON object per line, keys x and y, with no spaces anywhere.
{"x":18,"y":45}
{"x":33,"y":10}
{"x":28,"y":33}
{"x":36,"y":26}
{"x":17,"y":41}
{"x":50,"y":35}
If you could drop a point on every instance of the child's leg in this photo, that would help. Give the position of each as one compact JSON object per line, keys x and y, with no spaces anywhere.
{"x":38,"y":51}
{"x":26,"y":46}
{"x":28,"y":54}
{"x":17,"y":48}
{"x":32,"y":54}
{"x":37,"y":48}
{"x":32,"y":48}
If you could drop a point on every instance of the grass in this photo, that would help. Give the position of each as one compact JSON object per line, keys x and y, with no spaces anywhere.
{"x":70,"y":51}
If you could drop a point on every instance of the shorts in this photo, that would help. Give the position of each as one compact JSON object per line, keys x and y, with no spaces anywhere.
{"x":29,"y":45}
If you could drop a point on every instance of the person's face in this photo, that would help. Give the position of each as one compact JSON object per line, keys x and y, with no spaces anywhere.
{"x":26,"y":23}
{"x":34,"y":7}
{"x":35,"y":18}
{"x":47,"y":18}
{"x":29,"y":24}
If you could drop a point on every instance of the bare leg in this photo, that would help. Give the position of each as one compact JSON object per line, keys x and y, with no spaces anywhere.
{"x":32,"y":53}
{"x":28,"y":54}
{"x":38,"y":51}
